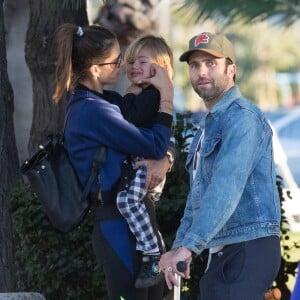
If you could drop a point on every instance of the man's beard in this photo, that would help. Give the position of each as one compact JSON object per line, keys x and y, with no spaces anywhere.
{"x":218,"y":88}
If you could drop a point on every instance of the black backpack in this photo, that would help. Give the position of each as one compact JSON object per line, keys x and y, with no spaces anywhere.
{"x":54,"y":181}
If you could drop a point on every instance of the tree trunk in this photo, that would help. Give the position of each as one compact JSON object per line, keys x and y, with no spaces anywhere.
{"x":16,"y":20}
{"x":9,"y":167}
{"x":45,"y":17}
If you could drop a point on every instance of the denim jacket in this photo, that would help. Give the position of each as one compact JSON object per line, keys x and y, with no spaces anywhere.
{"x":233,"y":195}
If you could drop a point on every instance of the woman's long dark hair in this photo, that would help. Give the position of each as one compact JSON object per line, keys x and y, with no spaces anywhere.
{"x":78,"y":48}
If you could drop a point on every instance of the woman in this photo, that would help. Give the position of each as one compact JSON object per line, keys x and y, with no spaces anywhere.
{"x":89,"y":58}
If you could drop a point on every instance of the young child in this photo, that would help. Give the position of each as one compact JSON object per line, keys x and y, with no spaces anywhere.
{"x":140,"y":106}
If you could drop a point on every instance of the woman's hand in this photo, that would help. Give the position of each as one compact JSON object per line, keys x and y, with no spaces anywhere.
{"x":161,"y":79}
{"x":156,"y":170}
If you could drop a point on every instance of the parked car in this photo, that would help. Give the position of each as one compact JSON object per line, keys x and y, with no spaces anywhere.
{"x":286,"y":141}
{"x":290,"y":189}
{"x":288,"y":131}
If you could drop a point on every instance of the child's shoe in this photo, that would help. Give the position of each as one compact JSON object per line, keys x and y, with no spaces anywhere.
{"x":149,"y":274}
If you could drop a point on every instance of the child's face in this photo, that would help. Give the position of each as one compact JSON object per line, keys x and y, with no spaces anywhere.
{"x":140,"y":67}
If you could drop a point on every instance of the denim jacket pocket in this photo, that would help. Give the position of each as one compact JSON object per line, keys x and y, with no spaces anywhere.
{"x":209,"y":145}
{"x":209,"y":150}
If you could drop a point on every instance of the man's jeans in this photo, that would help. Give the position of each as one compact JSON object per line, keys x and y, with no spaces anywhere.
{"x":242,"y":271}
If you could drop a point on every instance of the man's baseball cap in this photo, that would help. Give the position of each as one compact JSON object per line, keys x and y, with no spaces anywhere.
{"x":215,"y":44}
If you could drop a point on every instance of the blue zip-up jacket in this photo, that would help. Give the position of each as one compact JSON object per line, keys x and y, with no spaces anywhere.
{"x":94,"y":120}
{"x":233,"y":197}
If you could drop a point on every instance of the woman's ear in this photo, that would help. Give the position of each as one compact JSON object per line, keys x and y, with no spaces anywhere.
{"x":94,"y":70}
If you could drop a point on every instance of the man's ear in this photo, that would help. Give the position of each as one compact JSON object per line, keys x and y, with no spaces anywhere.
{"x":231,"y":70}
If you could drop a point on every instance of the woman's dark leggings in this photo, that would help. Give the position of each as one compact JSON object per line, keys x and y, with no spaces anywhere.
{"x":114,"y":246}
{"x":242,"y":271}
{"x":120,"y":261}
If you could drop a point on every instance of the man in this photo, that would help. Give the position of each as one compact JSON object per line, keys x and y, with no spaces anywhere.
{"x":233,"y":207}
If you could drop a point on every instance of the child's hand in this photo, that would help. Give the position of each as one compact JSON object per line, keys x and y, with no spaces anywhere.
{"x":133,"y":89}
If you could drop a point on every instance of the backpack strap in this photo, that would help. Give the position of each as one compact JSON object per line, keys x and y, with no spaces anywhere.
{"x":67,"y":116}
{"x":98,"y":160}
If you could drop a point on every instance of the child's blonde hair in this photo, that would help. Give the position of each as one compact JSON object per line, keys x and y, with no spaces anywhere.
{"x":160,"y":51}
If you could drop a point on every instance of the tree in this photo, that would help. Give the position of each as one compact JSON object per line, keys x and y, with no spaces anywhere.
{"x":280,"y":12}
{"x":128,"y":19}
{"x":9,"y":170}
{"x":40,"y":58}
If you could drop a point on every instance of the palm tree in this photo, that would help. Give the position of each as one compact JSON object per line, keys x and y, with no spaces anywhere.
{"x":278,"y":11}
{"x":127,"y":19}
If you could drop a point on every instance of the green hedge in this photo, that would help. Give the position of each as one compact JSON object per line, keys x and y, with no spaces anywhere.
{"x":59,"y":266}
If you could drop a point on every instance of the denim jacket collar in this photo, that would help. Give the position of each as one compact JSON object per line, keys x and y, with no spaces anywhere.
{"x":230,"y":96}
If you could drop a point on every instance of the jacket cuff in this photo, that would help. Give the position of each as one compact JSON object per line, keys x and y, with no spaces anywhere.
{"x":164,"y":119}
{"x":190,"y":243}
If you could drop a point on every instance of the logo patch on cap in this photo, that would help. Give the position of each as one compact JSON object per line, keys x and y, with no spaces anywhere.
{"x":202,"y":38}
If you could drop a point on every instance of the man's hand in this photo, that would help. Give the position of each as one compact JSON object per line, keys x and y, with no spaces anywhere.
{"x":169,"y":261}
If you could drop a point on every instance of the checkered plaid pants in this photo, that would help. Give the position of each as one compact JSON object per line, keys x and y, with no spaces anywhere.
{"x":132,"y":207}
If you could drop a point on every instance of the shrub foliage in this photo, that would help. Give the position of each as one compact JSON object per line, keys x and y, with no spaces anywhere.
{"x":59,"y":266}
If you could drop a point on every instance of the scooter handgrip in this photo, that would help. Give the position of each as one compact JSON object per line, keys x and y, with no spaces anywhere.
{"x":181,"y":266}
